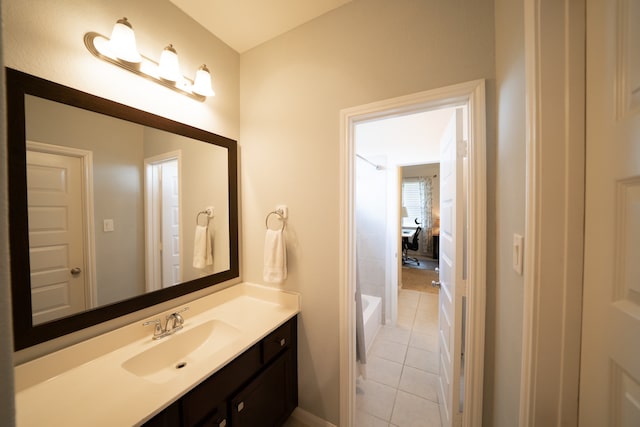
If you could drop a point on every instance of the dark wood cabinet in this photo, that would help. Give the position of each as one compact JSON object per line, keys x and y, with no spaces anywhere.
{"x":259,"y":387}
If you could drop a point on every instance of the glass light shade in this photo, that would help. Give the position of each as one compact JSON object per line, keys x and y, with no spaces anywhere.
{"x":202,"y":83}
{"x":123,"y":42}
{"x":405,"y":214}
{"x":169,"y":68}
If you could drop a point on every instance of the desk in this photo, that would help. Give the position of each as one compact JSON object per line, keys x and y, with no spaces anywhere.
{"x":408,"y":232}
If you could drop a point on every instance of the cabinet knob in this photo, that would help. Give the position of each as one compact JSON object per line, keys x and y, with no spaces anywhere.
{"x":223,"y":423}
{"x":240,"y":406}
{"x":282,"y":342}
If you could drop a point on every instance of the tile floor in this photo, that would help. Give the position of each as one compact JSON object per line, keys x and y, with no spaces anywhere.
{"x":402,"y":367}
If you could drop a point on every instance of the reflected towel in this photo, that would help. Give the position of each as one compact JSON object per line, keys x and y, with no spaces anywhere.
{"x":202,"y":254}
{"x":275,"y":257}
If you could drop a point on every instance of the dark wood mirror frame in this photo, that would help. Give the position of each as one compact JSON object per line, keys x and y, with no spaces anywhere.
{"x":18,"y":85}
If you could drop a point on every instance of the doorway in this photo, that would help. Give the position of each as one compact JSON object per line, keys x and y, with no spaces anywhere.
{"x":163,"y":239}
{"x":471,"y":96}
{"x":61,"y":231}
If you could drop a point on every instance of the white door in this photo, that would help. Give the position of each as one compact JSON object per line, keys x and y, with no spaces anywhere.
{"x":610,"y":357}
{"x":451,"y":263}
{"x":54,"y":191}
{"x":170,"y":224}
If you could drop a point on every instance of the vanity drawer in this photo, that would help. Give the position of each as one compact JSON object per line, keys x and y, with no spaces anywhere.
{"x":199,"y":402}
{"x":276,"y":341}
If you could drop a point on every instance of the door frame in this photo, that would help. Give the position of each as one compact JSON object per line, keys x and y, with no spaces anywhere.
{"x":554,"y":213}
{"x":88,"y":223}
{"x":473,"y":95}
{"x":153,"y":260}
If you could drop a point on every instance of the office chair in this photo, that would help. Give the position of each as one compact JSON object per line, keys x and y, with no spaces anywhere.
{"x":413,"y":245}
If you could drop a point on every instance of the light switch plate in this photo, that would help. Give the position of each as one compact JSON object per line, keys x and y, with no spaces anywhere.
{"x":108,"y":225}
{"x":518,"y":256}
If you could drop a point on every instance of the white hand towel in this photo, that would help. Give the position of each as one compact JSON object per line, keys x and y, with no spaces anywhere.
{"x":202,"y":254}
{"x":275,"y":257}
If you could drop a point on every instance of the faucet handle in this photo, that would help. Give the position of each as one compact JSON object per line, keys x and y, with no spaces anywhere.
{"x":157,"y":327}
{"x":178,"y":320}
{"x":182,"y":310}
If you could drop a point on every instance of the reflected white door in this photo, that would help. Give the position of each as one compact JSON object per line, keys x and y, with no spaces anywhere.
{"x":54,"y":191}
{"x":170,"y":224}
{"x":162,"y":221}
{"x":610,"y":357}
{"x":451,"y":277}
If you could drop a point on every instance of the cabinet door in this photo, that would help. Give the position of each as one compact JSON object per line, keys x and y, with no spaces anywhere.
{"x":264,"y":401}
{"x":169,"y":417}
{"x":200,"y":404}
{"x":216,"y":418}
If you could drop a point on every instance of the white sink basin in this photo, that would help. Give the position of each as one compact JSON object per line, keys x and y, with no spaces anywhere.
{"x":175,"y":353}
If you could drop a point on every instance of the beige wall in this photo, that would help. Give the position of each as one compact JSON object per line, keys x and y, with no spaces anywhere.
{"x":7,"y":412}
{"x":46,"y":39}
{"x":205,"y":171}
{"x":293,"y":89}
{"x":117,"y":148}
{"x":504,"y":301}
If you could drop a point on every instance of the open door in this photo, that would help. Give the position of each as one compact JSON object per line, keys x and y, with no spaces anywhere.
{"x":452,"y":285}
{"x":610,"y":359}
{"x":162,"y":219}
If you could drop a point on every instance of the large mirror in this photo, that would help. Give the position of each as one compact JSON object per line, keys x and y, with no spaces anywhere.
{"x":111,"y":209}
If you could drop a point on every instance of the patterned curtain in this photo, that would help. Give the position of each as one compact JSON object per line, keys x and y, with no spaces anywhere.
{"x":426,"y":220}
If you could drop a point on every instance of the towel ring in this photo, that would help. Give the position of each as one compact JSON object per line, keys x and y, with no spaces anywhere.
{"x":280,"y":216}
{"x":208,"y":212}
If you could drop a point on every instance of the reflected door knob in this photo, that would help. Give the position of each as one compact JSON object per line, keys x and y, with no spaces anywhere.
{"x":76,"y":271}
{"x":435,"y":284}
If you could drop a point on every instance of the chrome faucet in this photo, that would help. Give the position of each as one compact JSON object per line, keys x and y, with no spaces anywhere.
{"x":173,"y":323}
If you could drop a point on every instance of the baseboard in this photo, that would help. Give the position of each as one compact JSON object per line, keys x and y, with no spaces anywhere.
{"x":308,"y":419}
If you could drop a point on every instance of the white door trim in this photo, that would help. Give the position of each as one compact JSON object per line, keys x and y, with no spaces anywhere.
{"x":555,"y":55}
{"x":472,"y":94}
{"x":88,"y":230}
{"x":152,"y":257}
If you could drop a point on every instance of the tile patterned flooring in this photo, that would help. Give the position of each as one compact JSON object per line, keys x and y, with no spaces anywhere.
{"x":402,"y":368}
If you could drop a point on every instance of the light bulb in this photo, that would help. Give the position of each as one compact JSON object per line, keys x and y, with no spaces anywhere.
{"x":202,"y":83}
{"x":169,"y":68}
{"x":123,"y":42}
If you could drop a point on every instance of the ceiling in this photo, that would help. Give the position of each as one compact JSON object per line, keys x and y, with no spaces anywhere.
{"x":409,"y":139}
{"x":244,"y":24}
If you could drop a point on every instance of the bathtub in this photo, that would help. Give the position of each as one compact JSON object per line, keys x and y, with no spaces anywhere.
{"x":372,"y":318}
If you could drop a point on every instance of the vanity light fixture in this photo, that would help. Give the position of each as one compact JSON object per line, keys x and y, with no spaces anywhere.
{"x":121,"y":50}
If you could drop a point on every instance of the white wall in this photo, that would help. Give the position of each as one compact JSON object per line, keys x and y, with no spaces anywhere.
{"x":504,"y":302}
{"x":45,"y":38}
{"x":292,"y":90}
{"x":371,"y":227}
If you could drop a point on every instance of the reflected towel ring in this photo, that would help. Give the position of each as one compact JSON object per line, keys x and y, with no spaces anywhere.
{"x":198,"y":217}
{"x":208,"y":212}
{"x":280,"y":217}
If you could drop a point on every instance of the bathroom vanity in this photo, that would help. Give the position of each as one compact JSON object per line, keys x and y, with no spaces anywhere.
{"x":259,"y":387}
{"x":233,"y":364}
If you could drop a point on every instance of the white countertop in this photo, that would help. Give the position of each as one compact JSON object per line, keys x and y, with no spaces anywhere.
{"x":82,"y":385}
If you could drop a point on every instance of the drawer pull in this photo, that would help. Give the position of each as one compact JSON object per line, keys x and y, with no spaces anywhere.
{"x":240,"y":406}
{"x":282,"y":342}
